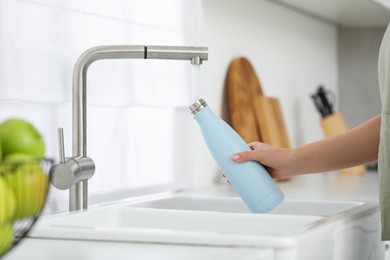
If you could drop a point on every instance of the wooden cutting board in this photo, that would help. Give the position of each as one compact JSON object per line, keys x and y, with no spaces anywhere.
{"x":271,"y":122}
{"x":254,"y":116}
{"x":242,"y":86}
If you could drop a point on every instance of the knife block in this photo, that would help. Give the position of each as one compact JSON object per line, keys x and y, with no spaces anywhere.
{"x":333,"y":125}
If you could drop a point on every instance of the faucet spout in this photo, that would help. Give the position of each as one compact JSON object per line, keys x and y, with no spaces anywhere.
{"x":80,"y":166}
{"x":80,"y":86}
{"x":194,"y":54}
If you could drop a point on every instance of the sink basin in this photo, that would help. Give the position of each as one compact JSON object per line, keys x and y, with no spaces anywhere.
{"x":297,"y":229}
{"x":178,"y":227}
{"x":236,"y":205}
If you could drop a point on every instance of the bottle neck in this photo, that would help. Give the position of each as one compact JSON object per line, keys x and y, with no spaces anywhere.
{"x":198,"y":106}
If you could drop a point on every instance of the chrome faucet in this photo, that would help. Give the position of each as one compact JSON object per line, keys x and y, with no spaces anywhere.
{"x":73,"y":173}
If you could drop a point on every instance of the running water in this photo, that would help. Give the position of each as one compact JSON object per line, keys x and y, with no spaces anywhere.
{"x":195,"y":82}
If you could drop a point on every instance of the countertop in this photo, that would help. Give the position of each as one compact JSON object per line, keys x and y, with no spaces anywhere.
{"x":330,"y":186}
{"x":322,"y":186}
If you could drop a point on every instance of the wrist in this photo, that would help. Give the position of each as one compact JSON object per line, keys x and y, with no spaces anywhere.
{"x":292,"y":161}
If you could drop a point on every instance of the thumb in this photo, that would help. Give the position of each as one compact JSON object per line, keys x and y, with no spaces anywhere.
{"x":244,"y":156}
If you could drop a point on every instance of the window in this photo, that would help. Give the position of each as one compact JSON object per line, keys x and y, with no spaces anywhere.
{"x":138,"y":121}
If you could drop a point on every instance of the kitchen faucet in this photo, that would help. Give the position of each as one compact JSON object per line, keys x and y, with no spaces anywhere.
{"x":73,"y":173}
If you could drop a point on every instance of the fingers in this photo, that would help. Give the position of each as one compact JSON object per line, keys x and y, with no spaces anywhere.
{"x":243,"y":156}
{"x":253,"y":145}
{"x":228,"y":182}
{"x":249,"y":155}
{"x":236,"y":157}
{"x":258,"y":145}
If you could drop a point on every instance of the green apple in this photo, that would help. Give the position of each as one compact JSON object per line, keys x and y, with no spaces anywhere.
{"x":6,"y":237}
{"x":19,"y":136}
{"x":7,"y":202}
{"x":14,"y":160}
{"x":29,"y":184}
{"x":18,"y":158}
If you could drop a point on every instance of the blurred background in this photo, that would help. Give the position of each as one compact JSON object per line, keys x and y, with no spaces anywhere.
{"x":140,"y":132}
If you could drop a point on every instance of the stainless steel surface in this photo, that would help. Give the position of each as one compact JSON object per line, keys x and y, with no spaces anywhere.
{"x":194,"y":54}
{"x":75,"y":171}
{"x":78,"y":196}
{"x":62,"y":174}
{"x":80,"y":83}
{"x":61,"y":146}
{"x":198,"y":106}
{"x":68,"y":172}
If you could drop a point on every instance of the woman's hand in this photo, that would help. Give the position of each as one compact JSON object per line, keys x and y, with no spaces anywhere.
{"x":277,"y":160}
{"x":357,"y":146}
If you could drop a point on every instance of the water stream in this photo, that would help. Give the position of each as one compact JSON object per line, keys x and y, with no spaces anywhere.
{"x":195,"y":82}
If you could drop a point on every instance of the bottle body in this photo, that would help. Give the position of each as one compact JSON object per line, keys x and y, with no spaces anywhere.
{"x":249,"y":179}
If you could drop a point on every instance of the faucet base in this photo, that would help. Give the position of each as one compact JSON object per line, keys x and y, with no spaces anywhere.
{"x":78,"y":196}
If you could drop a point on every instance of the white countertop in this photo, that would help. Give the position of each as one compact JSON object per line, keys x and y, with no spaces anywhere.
{"x":326,"y":186}
{"x":330,"y":186}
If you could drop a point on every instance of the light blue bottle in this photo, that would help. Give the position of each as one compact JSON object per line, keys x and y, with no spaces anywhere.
{"x":249,"y":179}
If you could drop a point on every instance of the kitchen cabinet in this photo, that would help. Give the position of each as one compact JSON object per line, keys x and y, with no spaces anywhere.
{"x":344,"y":13}
{"x":45,"y":249}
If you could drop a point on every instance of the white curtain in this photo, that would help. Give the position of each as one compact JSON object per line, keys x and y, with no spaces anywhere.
{"x":138,"y":122}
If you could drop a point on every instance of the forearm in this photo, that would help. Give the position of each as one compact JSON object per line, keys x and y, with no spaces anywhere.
{"x":356,"y":146}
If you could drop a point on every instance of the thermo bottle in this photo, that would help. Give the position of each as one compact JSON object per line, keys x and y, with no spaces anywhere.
{"x":249,"y":179}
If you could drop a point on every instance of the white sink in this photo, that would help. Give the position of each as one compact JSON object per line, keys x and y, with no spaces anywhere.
{"x":236,"y":205}
{"x":178,"y":227}
{"x":297,"y":229}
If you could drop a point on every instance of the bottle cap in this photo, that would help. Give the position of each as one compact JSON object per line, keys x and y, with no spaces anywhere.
{"x":198,"y":106}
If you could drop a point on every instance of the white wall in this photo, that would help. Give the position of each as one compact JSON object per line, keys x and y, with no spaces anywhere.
{"x":358,"y":77}
{"x":291,"y":52}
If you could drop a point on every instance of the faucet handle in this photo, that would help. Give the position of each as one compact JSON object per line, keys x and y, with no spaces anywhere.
{"x":70,"y":170}
{"x":62,"y":174}
{"x":61,"y":145}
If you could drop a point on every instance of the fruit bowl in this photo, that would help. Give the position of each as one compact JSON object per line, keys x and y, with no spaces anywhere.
{"x":24,"y":185}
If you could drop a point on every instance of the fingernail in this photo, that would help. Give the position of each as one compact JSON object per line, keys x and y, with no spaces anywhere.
{"x":236,"y":156}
